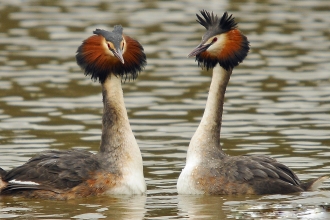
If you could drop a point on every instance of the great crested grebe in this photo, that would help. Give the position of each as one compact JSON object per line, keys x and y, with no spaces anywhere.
{"x":117,"y":167}
{"x":208,"y":169}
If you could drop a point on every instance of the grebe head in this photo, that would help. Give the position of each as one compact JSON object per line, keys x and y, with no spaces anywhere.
{"x":107,"y":53}
{"x":222,"y":43}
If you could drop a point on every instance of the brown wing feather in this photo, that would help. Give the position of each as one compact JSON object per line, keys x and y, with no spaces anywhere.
{"x":247,"y":175}
{"x":53,"y":170}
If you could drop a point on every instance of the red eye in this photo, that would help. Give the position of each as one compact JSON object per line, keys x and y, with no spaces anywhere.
{"x":214,"y":39}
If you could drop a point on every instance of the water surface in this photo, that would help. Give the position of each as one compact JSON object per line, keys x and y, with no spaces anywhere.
{"x":277,"y":103}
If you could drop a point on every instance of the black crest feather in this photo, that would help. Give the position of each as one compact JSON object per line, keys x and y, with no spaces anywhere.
{"x":216,"y":24}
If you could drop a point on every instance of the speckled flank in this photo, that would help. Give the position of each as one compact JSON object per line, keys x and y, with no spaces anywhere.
{"x":96,"y":185}
{"x":221,"y":186}
{"x":3,"y":184}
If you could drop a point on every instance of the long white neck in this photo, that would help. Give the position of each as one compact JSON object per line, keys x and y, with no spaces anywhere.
{"x":116,"y":129}
{"x":119,"y":149}
{"x":206,"y":140}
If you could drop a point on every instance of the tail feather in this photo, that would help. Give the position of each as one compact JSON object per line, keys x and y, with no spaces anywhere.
{"x":314,"y":183}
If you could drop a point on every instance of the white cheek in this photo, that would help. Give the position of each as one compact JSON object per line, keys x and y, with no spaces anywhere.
{"x":106,"y":49}
{"x":110,"y":53}
{"x":125,"y":46}
{"x":218,"y":45}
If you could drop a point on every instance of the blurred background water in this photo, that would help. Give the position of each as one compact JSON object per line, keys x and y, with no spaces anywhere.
{"x":277,"y":103}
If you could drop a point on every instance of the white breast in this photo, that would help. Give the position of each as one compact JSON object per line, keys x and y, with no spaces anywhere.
{"x":186,"y":183}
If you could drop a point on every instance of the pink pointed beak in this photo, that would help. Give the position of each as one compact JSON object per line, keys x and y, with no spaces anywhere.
{"x":119,"y":54}
{"x":199,"y":49}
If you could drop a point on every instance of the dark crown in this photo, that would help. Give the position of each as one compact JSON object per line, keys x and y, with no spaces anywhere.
{"x":114,"y":36}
